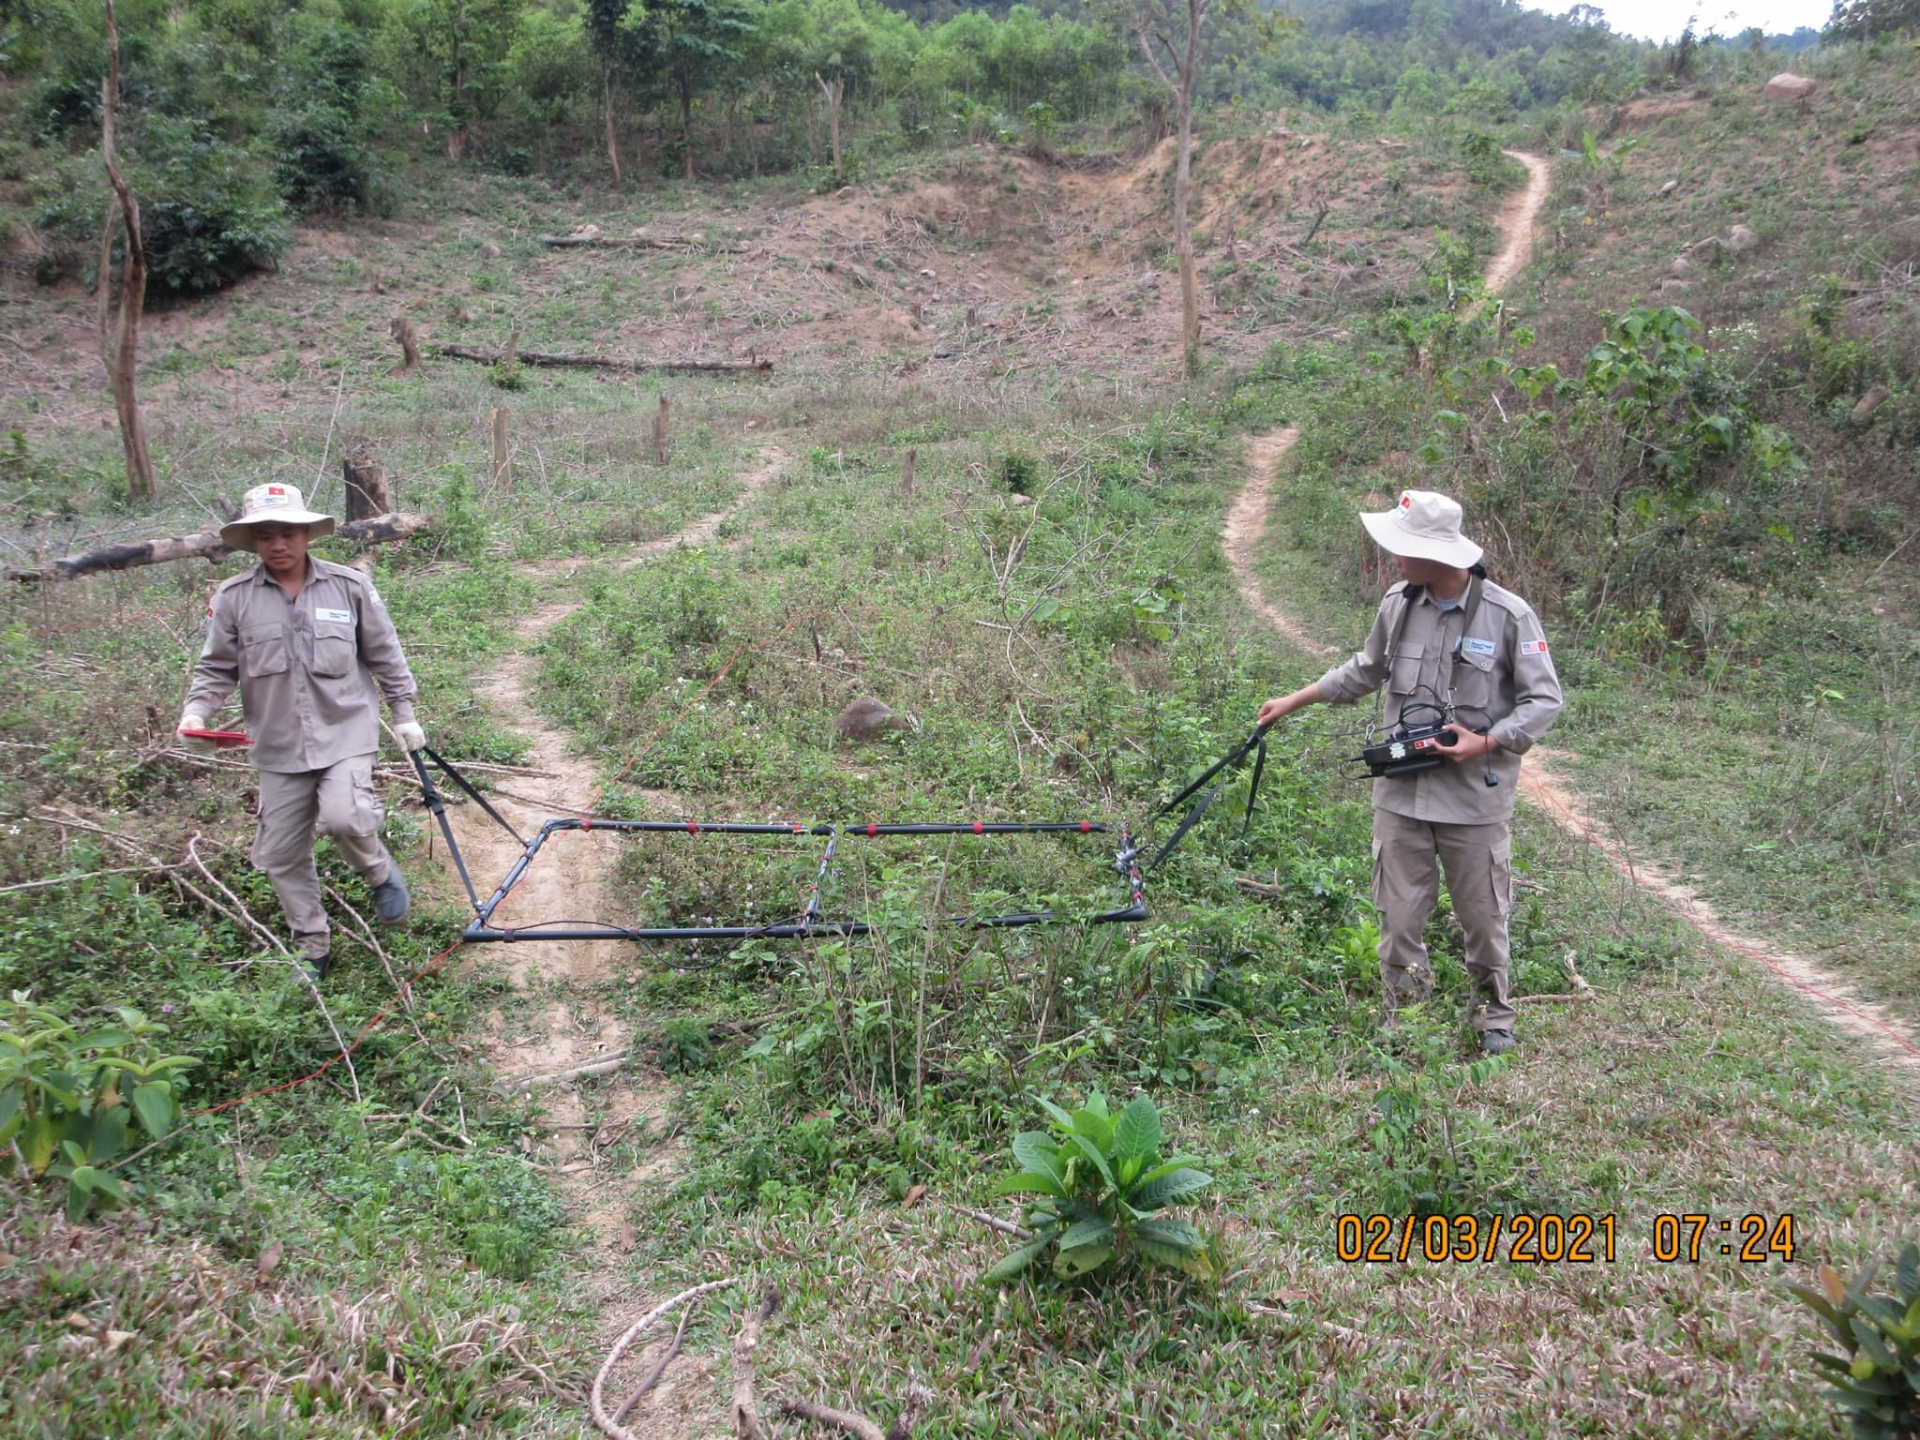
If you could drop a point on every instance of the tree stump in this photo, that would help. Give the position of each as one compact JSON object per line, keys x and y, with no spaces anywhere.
{"x":502,"y":462}
{"x":660,"y":433}
{"x":402,"y":330}
{"x":366,"y":482}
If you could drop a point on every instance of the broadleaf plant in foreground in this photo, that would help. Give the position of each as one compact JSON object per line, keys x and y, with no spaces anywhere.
{"x":1099,"y":1180}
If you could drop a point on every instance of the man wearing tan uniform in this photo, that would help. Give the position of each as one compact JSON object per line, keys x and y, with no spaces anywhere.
{"x":306,"y":642}
{"x":1446,"y":636}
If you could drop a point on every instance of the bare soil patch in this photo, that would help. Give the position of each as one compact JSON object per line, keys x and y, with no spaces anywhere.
{"x":567,"y":1025}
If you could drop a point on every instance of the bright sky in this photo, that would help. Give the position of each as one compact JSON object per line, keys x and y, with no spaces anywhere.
{"x":1665,"y":19}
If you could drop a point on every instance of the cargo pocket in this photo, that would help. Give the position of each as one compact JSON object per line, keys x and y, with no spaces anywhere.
{"x":1500,"y":872}
{"x":1473,"y":684}
{"x":333,"y":651}
{"x":263,"y":650}
{"x":1404,"y":678}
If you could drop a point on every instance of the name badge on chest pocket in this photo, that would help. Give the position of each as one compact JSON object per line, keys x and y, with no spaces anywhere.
{"x":333,"y":642}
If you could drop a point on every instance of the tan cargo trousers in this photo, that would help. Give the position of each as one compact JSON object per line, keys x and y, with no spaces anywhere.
{"x":1406,"y":883}
{"x":338,"y":802}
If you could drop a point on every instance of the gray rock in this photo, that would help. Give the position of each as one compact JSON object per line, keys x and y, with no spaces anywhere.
{"x":1669,"y":187}
{"x":1789,"y":86}
{"x":489,"y":251}
{"x":1742,"y":241}
{"x":1681,"y":268}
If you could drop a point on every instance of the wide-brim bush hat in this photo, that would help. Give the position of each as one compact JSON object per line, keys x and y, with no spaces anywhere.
{"x":1423,"y":526}
{"x":273,"y":505}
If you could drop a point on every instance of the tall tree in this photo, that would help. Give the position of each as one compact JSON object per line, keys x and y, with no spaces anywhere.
{"x":669,"y":47}
{"x":1169,"y":33}
{"x":120,"y":331}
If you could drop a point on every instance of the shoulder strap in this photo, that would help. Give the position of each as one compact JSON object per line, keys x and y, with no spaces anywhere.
{"x":1412,"y":597}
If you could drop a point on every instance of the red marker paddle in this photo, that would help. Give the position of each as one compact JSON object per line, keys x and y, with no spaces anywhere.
{"x":221,"y":739}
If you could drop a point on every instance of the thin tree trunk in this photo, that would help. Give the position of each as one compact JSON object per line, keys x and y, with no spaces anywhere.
{"x":833,"y":93}
{"x":613,"y":147}
{"x":1183,"y":228}
{"x":120,"y":351}
{"x":686,"y":122}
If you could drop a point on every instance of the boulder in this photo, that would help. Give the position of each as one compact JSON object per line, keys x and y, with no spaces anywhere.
{"x":1668,"y":188}
{"x":1742,"y":241}
{"x":489,"y":251}
{"x":1681,"y":267}
{"x":1789,"y":86}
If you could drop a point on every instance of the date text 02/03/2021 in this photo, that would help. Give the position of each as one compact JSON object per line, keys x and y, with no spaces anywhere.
{"x":1573,"y":1239}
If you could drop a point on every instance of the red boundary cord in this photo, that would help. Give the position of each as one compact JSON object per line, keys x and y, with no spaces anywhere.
{"x":365,"y":1030}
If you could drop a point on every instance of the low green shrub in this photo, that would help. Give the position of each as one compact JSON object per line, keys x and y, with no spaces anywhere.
{"x":68,"y":1097}
{"x":1099,"y":1184}
{"x":1877,"y":1378}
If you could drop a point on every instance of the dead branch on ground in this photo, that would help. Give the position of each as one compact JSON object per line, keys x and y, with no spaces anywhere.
{"x":486,"y":355}
{"x":918,"y":1399}
{"x":592,"y":238}
{"x":745,"y":1409}
{"x":596,"y":1397}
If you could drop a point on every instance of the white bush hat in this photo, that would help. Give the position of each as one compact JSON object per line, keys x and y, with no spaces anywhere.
{"x":273,"y":505}
{"x":1424,"y":526}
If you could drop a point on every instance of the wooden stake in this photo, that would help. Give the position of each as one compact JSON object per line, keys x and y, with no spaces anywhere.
{"x":502,"y":463}
{"x":906,"y":472}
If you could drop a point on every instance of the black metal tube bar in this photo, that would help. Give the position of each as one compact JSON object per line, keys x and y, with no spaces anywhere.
{"x":689,"y":827}
{"x":982,"y":827}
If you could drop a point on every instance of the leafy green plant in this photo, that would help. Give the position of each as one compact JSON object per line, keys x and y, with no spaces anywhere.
{"x":1429,"y":1154}
{"x":1100,"y":1182}
{"x":67,"y":1097}
{"x":1877,"y":1379}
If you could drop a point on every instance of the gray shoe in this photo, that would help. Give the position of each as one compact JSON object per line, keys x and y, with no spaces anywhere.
{"x":1496,"y":1042}
{"x":390,"y":898}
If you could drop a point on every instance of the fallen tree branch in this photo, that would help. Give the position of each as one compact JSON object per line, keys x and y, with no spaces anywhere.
{"x":486,"y":355}
{"x":919,"y":1399}
{"x":203,"y":544}
{"x":745,"y":1409}
{"x":594,"y":239}
{"x":596,"y":1397}
{"x":606,"y":1065}
{"x":653,"y":1376}
{"x":993,"y":1222}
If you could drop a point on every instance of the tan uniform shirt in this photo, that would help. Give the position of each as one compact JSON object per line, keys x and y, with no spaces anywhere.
{"x":1498,"y":676}
{"x":306,"y":666}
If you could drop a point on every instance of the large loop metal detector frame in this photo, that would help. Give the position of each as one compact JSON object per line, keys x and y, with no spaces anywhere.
{"x":809,"y":922}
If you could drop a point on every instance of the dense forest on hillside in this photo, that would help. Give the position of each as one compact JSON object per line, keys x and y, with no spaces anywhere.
{"x":242,"y":113}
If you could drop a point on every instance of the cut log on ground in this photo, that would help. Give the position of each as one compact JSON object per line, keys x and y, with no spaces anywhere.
{"x":204,"y":544}
{"x":598,"y":241}
{"x":486,"y":355}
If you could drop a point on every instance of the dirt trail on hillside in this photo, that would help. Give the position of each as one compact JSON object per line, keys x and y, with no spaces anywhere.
{"x":1544,"y":788}
{"x":562,"y":1025}
{"x":1516,"y":222}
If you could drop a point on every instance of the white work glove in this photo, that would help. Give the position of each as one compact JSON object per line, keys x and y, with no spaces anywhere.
{"x":411,"y":736}
{"x":193,"y":721}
